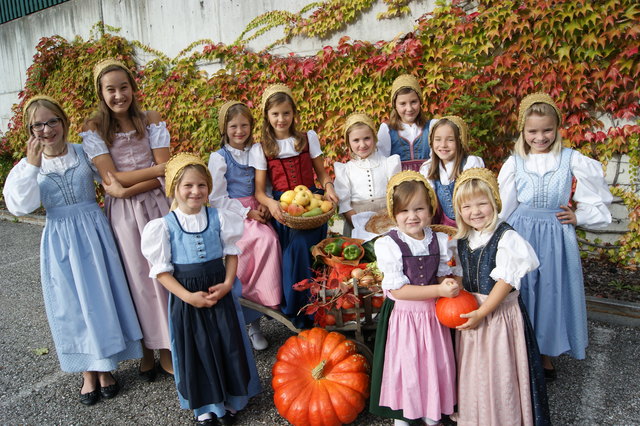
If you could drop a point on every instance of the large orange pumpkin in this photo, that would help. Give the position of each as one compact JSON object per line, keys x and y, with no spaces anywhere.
{"x":448,"y":309}
{"x":320,"y":379}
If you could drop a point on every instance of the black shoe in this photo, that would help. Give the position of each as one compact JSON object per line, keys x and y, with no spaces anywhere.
{"x":207,"y":422}
{"x":228,"y":419}
{"x":89,"y":398}
{"x":148,"y":375}
{"x":549,"y":374}
{"x":110,"y":391}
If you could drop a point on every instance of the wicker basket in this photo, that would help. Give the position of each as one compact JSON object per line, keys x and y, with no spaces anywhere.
{"x":299,"y":222}
{"x":446,"y":229}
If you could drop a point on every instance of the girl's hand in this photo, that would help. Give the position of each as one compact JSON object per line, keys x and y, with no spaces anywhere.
{"x":567,"y":216}
{"x":475,"y":317}
{"x":113,"y":187}
{"x":266,"y":214}
{"x":201,"y":299}
{"x":256,"y":215}
{"x":448,"y":288}
{"x":330,"y":194}
{"x":159,"y":169}
{"x":276,"y":210}
{"x":218,"y":291}
{"x":34,"y":151}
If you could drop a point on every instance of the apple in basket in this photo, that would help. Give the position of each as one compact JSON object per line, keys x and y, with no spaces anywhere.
{"x":295,"y":210}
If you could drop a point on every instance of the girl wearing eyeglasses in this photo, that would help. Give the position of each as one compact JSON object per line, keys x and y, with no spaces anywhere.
{"x":92,"y":318}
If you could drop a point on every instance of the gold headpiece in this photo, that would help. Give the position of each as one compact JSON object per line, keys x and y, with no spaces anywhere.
{"x":485,"y":175}
{"x":358,"y":117}
{"x":405,"y":176}
{"x":176,"y":164}
{"x":272,"y":90}
{"x":99,"y":68}
{"x":536,"y":98}
{"x":462,"y":127}
{"x":40,"y":98}
{"x":408,"y":81}
{"x":222,"y":114}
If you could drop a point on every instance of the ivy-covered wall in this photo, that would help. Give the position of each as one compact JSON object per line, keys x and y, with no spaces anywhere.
{"x":474,"y":60}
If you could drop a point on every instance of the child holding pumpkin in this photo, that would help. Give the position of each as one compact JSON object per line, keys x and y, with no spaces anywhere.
{"x":413,"y":374}
{"x":361,"y":183}
{"x":536,"y":184}
{"x":407,"y":133}
{"x":500,"y":377}
{"x":193,"y":254}
{"x":232,"y":167}
{"x":290,"y":159}
{"x":449,"y":141}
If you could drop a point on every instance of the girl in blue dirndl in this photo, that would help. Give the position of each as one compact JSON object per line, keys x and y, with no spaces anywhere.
{"x":193,"y":254}
{"x":535,"y":186}
{"x":92,"y":318}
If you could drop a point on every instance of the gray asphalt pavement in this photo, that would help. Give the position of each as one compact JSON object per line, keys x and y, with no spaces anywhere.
{"x":604,"y":389}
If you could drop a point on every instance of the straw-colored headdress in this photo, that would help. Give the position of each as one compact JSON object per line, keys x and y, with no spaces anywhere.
{"x":462,"y":127}
{"x":405,"y":176}
{"x":99,"y":68}
{"x":40,"y":98}
{"x":272,"y":90}
{"x":358,"y":117}
{"x":485,"y":175}
{"x":222,"y":114}
{"x":176,"y":164}
{"x":408,"y":81}
{"x":536,"y":98}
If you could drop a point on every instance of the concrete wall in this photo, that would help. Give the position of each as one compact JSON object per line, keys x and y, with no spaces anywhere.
{"x":170,"y":26}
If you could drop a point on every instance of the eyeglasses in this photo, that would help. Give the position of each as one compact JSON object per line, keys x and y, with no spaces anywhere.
{"x":38,"y":127}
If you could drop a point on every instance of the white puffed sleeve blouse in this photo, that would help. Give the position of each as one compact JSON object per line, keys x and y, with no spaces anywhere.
{"x":156,"y":246}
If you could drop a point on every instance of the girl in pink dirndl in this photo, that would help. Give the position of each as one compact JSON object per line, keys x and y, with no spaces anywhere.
{"x":500,"y":377}
{"x":232,"y":168}
{"x":130,"y":147}
{"x":413,"y":374}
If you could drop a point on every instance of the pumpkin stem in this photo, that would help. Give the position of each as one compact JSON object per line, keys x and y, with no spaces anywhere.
{"x":317,"y":371}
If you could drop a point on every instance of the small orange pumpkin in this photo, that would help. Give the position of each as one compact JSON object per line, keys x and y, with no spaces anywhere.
{"x":448,"y":309}
{"x":320,"y":379}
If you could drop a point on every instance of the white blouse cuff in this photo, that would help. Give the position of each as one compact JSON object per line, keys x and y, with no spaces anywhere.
{"x":159,"y":268}
{"x":158,"y":135}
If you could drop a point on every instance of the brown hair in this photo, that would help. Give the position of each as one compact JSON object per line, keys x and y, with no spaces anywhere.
{"x":394,"y":120}
{"x":269,"y":144}
{"x":405,"y":192}
{"x":541,"y":109}
{"x":232,"y":112}
{"x":106,"y":125}
{"x":53,"y":107}
{"x":434,"y":169}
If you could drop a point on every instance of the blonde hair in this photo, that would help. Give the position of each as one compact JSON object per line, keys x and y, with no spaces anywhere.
{"x":395,"y":122}
{"x":106,"y":125}
{"x":231,"y":113}
{"x":404,"y":192}
{"x":269,"y":143}
{"x":434,"y":169}
{"x":540,"y":109}
{"x":359,"y":125}
{"x":467,"y":190}
{"x":202,"y":170}
{"x":51,"y":105}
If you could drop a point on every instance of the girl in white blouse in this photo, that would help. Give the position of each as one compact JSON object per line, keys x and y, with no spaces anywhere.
{"x":536,"y":187}
{"x":361,"y":183}
{"x":500,"y":378}
{"x":193,"y":253}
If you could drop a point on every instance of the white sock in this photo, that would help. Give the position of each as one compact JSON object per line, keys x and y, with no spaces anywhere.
{"x":254,"y":327}
{"x":428,"y":421}
{"x":397,"y":422}
{"x":205,"y":416}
